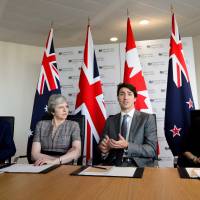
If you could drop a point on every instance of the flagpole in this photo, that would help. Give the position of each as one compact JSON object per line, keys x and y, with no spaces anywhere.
{"x":88,"y":21}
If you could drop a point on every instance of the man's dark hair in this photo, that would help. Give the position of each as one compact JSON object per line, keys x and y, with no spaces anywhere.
{"x":127,"y":85}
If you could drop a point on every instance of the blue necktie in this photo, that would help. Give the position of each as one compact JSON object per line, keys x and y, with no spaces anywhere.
{"x":124,"y":126}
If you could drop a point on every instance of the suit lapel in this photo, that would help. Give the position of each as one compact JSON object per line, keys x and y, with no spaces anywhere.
{"x":117,"y":122}
{"x":134,"y":125}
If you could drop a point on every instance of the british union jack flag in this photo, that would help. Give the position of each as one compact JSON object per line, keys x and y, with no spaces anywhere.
{"x":48,"y":83}
{"x":90,"y":101}
{"x":179,"y":100}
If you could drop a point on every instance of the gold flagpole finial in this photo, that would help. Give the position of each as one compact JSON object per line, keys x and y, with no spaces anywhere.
{"x":128,"y":13}
{"x":172,"y":8}
{"x":51,"y":24}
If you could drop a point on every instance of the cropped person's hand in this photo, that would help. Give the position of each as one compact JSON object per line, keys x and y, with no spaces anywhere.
{"x":197,"y":160}
{"x":44,"y":161}
{"x":119,"y":144}
{"x":104,"y":145}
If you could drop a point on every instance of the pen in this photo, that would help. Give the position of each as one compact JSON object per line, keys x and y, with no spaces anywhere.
{"x":99,"y":167}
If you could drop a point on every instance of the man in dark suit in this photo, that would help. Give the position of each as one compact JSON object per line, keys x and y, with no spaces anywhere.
{"x":7,"y":146}
{"x":132,"y":144}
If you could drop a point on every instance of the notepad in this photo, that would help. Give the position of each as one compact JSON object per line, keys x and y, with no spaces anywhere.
{"x":28,"y":168}
{"x":113,"y":171}
{"x":193,"y":172}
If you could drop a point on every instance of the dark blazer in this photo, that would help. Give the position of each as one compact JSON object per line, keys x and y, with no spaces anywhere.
{"x":142,"y":139}
{"x":190,"y":143}
{"x":7,"y":146}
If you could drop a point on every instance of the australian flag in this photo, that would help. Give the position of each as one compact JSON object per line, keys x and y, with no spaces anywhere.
{"x":48,"y":82}
{"x":179,"y":100}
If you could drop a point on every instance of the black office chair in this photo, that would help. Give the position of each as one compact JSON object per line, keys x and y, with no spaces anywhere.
{"x":80,"y":119}
{"x":158,"y":148}
{"x":11,"y":121}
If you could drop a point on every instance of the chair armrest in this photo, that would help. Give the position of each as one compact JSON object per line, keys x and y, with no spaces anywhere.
{"x":18,"y":157}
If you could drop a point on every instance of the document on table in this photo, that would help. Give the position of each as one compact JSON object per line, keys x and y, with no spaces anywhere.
{"x":28,"y":168}
{"x":111,"y":171}
{"x":193,"y":172}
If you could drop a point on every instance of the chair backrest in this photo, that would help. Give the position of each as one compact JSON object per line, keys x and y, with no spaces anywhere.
{"x":11,"y":121}
{"x":80,"y":119}
{"x":156,"y":164}
{"x":195,"y":120}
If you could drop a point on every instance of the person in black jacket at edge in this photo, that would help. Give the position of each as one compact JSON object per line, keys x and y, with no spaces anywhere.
{"x":190,"y":156}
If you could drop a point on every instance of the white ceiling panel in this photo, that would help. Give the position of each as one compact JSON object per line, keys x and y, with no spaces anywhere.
{"x":28,"y":21}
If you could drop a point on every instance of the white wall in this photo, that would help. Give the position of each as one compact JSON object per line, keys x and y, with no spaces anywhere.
{"x":196,"y":43}
{"x":19,"y":72}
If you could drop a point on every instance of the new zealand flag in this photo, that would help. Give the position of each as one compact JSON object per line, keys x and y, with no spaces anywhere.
{"x":48,"y":82}
{"x":179,"y":100}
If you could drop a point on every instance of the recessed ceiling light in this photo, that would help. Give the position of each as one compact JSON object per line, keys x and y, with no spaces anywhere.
{"x":144,"y":22}
{"x":113,"y":39}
